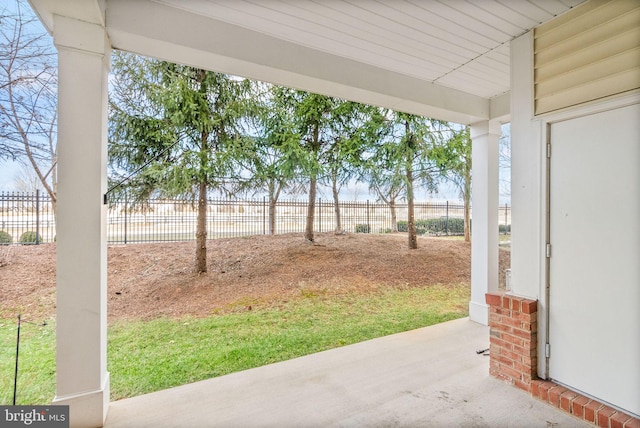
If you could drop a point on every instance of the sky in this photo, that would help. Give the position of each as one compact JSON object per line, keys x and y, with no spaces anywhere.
{"x":8,"y":172}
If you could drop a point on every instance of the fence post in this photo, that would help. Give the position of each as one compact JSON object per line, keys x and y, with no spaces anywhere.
{"x":446,"y":222}
{"x":126,"y":209}
{"x":368,"y":219}
{"x":264,"y":218}
{"x":37,"y":216}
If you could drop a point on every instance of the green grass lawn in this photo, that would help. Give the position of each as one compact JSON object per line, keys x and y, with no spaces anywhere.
{"x":153,"y":355}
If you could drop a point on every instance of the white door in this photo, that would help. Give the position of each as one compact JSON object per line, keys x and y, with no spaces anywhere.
{"x":594,"y":277}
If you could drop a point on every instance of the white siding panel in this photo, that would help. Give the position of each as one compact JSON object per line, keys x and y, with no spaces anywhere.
{"x":628,"y":21}
{"x":590,"y":52}
{"x":610,"y":85}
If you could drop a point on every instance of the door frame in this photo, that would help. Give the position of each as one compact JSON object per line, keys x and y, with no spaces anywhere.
{"x":546,"y":120}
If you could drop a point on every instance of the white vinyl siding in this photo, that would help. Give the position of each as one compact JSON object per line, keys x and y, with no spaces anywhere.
{"x":588,"y":53}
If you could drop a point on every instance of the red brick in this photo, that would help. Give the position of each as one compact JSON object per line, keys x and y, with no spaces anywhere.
{"x":618,"y":420}
{"x":521,"y":333}
{"x":531,"y":352}
{"x":504,"y":378}
{"x":522,"y":368}
{"x":530,"y":361}
{"x":577,"y":407}
{"x":493,"y":299}
{"x":544,"y":390}
{"x":524,"y":385}
{"x":515,"y":304}
{"x":529,"y":306}
{"x":565,"y":400}
{"x":495,"y":318}
{"x":511,"y":355}
{"x":502,"y":327}
{"x":497,"y":341}
{"x":535,"y":385}
{"x":508,"y":371}
{"x":531,"y":342}
{"x":554,"y":395}
{"x":506,"y":302}
{"x":503,"y":311}
{"x":632,"y":423}
{"x":513,"y":339}
{"x":524,"y":317}
{"x":602,"y":418}
{"x":591,"y":410}
{"x":502,"y":360}
{"x":529,"y":327}
{"x":511,"y":322}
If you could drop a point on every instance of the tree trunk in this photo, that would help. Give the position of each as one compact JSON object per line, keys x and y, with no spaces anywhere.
{"x":411,"y":226}
{"x":394,"y":215}
{"x":311,"y":209}
{"x":313,"y":181}
{"x":336,"y":209}
{"x":201,"y":229}
{"x":467,"y":204}
{"x":467,"y":195}
{"x":272,"y":215}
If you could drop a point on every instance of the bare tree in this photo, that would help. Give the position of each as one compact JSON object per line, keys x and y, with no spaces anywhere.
{"x":26,"y":180}
{"x":28,"y":88}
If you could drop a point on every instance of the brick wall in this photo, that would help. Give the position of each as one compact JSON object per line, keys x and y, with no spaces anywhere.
{"x":513,"y":358}
{"x":513,"y":326}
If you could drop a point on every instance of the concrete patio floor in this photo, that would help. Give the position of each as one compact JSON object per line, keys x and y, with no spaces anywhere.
{"x":430,"y":377}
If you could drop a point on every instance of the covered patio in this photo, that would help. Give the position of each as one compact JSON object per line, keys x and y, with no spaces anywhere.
{"x":534,"y":63}
{"x":430,"y":377}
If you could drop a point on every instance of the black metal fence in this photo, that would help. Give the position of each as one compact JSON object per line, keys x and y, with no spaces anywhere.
{"x":28,"y":218}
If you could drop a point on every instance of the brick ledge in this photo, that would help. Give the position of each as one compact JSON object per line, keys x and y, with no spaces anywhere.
{"x":580,"y":406}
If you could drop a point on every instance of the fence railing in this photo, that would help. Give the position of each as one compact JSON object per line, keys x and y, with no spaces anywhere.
{"x":25,"y":215}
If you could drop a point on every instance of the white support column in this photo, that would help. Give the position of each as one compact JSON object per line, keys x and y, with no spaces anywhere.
{"x":81,"y":335}
{"x":484,"y":240}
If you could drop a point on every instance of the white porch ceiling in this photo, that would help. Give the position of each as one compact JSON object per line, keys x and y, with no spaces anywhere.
{"x":442,"y":58}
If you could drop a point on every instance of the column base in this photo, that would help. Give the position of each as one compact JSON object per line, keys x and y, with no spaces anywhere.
{"x":88,"y":409}
{"x":479,"y":312}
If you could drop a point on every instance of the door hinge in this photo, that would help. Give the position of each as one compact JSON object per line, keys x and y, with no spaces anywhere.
{"x":547,"y":350}
{"x":549,"y":150}
{"x":548,"y":250}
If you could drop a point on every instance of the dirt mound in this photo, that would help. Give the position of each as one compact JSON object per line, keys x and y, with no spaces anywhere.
{"x":151,"y":280}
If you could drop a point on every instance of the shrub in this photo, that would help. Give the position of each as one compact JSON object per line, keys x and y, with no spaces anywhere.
{"x":30,"y":237}
{"x":440,"y":226}
{"x":362,"y":228}
{"x":504,"y":228}
{"x":436,"y":226}
{"x":5,"y":238}
{"x":421,"y":226}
